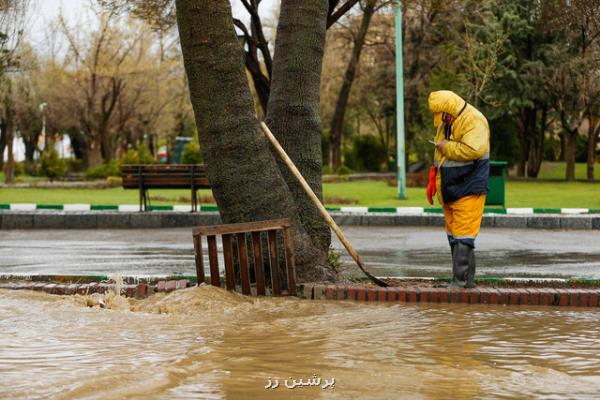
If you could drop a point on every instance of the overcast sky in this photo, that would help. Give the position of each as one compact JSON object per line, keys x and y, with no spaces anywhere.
{"x":46,"y":11}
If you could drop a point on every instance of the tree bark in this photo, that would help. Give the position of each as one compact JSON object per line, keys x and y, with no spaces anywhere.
{"x":242,"y":172}
{"x":523,"y":143}
{"x":591,"y":147}
{"x":293,"y":108}
{"x":2,"y":141}
{"x":94,"y":153}
{"x":536,"y":141}
{"x":337,"y":123}
{"x":9,"y":167}
{"x":570,"y":149}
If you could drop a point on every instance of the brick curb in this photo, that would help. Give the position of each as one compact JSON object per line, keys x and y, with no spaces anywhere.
{"x":479,"y":295}
{"x":365,"y":294}
{"x":139,"y":291}
{"x":58,"y":219}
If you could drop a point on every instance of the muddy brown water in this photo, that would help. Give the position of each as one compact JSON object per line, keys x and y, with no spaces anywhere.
{"x":210,"y":344}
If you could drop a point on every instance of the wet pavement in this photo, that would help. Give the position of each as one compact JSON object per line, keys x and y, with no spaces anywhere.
{"x":387,"y":251}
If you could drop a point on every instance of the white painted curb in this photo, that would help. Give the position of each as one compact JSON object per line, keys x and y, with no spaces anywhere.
{"x":520,"y":211}
{"x":76,"y":207}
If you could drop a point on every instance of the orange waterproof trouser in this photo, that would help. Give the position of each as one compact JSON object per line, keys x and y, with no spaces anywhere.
{"x":463,"y":218}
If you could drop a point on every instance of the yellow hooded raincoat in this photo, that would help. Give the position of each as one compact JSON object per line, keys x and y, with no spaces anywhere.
{"x":463,"y":163}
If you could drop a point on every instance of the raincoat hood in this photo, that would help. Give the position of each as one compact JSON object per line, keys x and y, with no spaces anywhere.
{"x":445,"y":101}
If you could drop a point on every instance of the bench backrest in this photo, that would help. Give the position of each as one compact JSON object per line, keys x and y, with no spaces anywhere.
{"x":165,"y":176}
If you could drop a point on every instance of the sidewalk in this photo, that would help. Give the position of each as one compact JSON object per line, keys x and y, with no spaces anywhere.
{"x":84,"y":216}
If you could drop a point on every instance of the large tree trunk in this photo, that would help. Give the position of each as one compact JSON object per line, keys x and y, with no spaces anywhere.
{"x":591,"y":147}
{"x":523,"y":143}
{"x":2,"y":141}
{"x":293,"y":108}
{"x":536,"y":142}
{"x":337,"y":123}
{"x":94,"y":153}
{"x":9,"y":168}
{"x":570,"y":149}
{"x":106,"y":144}
{"x":242,"y":172}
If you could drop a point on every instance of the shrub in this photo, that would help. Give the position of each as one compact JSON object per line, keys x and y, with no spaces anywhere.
{"x":334,"y":260}
{"x":102,"y":171}
{"x":75,"y":165}
{"x":19,"y":168}
{"x":368,"y":153}
{"x":130,"y":157}
{"x":343,"y":170}
{"x":52,"y":165}
{"x":191,"y":154}
{"x":32,"y":168}
{"x":326,"y":170}
{"x":139,"y":155}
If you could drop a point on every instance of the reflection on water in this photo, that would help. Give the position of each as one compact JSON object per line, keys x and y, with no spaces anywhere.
{"x":101,"y":256}
{"x":207,"y":343}
{"x":496,"y":263}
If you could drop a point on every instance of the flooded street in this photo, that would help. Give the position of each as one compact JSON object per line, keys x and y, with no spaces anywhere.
{"x":207,"y":343}
{"x":210,"y":344}
{"x":388,"y":251}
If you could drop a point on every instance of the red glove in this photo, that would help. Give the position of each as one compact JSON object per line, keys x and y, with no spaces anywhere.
{"x":431,"y":185}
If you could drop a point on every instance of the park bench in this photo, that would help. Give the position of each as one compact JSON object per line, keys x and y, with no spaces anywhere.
{"x":164,"y":176}
{"x":250,"y":254}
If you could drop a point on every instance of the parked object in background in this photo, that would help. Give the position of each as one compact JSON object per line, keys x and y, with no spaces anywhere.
{"x":180,"y":142}
{"x":166,"y":176}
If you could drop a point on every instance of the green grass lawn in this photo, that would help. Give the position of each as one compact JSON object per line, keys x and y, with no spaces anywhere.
{"x":556,"y":170}
{"x":518,"y":194}
{"x":366,"y":193}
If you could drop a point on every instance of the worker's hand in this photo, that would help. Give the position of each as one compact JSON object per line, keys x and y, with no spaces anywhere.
{"x":431,"y":185}
{"x":441,"y":144}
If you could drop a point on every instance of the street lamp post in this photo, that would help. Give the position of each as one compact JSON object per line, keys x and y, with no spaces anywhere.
{"x":400,"y":149}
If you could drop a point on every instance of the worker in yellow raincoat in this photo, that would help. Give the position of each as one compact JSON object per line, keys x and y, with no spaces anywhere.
{"x":459,"y":176}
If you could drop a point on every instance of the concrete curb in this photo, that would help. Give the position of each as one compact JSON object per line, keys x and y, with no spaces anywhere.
{"x":348,"y":210}
{"x":50,"y":219}
{"x":478,"y":295}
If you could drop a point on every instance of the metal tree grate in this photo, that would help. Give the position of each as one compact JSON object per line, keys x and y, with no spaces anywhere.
{"x":264,"y":264}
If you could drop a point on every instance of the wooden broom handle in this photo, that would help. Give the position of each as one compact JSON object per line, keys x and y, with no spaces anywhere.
{"x":317,"y":202}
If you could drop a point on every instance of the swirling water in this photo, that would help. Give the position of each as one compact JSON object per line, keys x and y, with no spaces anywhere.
{"x":208,"y":343}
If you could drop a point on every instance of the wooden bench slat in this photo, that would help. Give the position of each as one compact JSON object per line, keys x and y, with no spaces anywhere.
{"x":134,"y":168}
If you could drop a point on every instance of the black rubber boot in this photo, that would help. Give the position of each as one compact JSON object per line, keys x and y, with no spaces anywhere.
{"x":446,"y":284}
{"x":471,"y":271}
{"x":461,"y":264}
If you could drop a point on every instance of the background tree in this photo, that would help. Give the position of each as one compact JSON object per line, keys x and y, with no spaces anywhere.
{"x":13,"y":15}
{"x":574,"y":82}
{"x":337,"y":122}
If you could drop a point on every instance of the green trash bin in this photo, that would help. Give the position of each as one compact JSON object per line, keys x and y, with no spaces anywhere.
{"x":497,"y":182}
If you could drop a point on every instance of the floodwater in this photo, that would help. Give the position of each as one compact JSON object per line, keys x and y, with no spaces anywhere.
{"x":387,"y":251}
{"x":210,"y":344}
